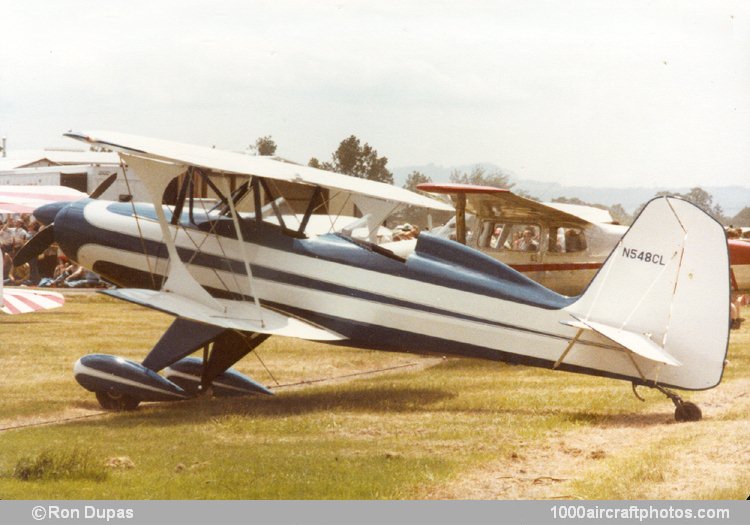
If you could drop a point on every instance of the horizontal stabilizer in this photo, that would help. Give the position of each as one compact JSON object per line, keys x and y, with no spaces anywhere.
{"x":640,"y":344}
{"x":236,"y":315}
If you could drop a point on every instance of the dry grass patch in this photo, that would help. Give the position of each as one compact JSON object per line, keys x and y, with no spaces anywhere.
{"x":455,"y":428}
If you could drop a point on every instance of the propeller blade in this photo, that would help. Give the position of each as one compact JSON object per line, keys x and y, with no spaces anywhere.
{"x":35,"y":246}
{"x":104,"y":186}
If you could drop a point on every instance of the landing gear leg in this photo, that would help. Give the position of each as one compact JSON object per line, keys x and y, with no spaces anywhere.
{"x":684,"y":410}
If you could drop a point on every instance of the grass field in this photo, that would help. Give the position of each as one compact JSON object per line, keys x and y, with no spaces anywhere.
{"x":433,"y":428}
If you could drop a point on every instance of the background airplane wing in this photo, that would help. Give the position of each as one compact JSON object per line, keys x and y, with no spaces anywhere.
{"x":487,"y":201}
{"x":586,"y":213}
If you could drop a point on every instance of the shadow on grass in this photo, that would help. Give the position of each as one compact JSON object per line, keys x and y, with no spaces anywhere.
{"x":24,"y":321}
{"x":630,"y":420}
{"x":369,"y":400}
{"x":375,"y":400}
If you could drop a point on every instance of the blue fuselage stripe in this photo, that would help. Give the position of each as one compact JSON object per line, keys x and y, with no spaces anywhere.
{"x":80,"y":232}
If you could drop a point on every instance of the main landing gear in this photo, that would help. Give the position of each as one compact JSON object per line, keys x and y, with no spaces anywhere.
{"x":112,"y":400}
{"x":121,"y":384}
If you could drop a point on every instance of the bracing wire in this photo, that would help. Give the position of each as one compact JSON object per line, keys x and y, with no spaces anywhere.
{"x":123,"y":167}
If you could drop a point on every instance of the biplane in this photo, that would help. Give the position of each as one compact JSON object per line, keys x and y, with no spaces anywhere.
{"x":246,"y":268}
{"x":568,"y":243}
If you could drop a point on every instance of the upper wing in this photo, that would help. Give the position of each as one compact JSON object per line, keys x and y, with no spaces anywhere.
{"x":25,"y":199}
{"x":233,"y":163}
{"x":486,"y":201}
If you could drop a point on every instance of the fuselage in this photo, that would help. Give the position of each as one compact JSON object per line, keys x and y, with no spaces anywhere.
{"x":444,"y":298}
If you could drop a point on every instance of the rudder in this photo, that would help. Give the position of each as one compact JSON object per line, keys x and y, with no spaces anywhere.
{"x":667,"y":280}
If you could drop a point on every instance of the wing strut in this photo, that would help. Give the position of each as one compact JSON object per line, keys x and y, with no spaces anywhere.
{"x":567,"y":348}
{"x":243,"y":252}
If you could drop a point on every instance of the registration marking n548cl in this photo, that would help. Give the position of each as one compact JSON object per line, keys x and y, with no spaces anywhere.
{"x":642,"y":255}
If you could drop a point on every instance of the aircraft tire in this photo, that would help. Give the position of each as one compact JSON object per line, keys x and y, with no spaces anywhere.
{"x":687,"y":411}
{"x":116,"y":401}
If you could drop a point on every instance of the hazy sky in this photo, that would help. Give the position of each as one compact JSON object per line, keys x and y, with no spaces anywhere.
{"x":581,"y":92}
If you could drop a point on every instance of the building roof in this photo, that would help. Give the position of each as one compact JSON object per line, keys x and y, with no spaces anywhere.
{"x":22,"y":158}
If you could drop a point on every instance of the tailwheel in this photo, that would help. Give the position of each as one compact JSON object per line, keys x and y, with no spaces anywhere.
{"x":111,"y":400}
{"x":684,"y":410}
{"x":687,"y":411}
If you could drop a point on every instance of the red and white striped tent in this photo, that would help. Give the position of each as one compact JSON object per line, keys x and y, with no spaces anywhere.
{"x":20,"y":301}
{"x":25,"y":199}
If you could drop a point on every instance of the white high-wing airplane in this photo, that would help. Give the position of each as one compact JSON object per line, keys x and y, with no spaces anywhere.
{"x":567,"y":244}
{"x":656,"y":314}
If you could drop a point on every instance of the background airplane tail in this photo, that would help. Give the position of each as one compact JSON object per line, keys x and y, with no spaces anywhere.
{"x":664,"y":294}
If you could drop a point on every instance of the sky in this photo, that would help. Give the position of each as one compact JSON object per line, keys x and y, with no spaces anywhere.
{"x":599,"y":93}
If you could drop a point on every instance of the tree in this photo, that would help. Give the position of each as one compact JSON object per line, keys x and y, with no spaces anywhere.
{"x":414,"y":179}
{"x":742,"y":218}
{"x":577,"y":201}
{"x":705,"y":201}
{"x":697,"y":196}
{"x":526,"y":195}
{"x":415,"y":214}
{"x":618,"y":213}
{"x":480,"y":177}
{"x":358,"y":160}
{"x":264,"y":146}
{"x":315,"y":163}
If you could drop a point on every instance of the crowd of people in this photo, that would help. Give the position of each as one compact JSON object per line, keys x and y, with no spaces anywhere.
{"x":50,"y":269}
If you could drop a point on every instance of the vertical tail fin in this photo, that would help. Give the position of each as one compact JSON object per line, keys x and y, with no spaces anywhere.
{"x":667,"y":282}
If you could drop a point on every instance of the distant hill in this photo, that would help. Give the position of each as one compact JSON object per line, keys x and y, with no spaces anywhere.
{"x":731,"y":198}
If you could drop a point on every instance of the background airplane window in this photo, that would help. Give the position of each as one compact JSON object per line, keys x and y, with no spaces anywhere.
{"x":491,"y":236}
{"x":525,"y":238}
{"x":575,"y":240}
{"x":566,"y":240}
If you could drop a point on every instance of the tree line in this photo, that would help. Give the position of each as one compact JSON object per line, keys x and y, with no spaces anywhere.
{"x":352,"y":157}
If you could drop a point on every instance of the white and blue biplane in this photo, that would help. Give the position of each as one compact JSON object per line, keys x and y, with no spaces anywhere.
{"x":656,"y":314}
